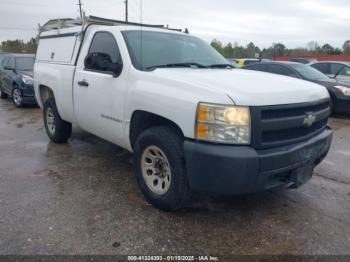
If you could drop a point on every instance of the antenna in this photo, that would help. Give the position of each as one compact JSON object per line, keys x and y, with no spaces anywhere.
{"x":80,"y":9}
{"x":141,"y":43}
{"x":126,"y":10}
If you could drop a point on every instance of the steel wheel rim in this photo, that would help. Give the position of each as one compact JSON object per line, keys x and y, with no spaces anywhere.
{"x":50,"y":120}
{"x":156,"y":170}
{"x":17,"y":97}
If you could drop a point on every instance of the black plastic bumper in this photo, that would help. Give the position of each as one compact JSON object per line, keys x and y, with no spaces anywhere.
{"x":234,"y":170}
{"x":29,"y":100}
{"x":28,"y":94}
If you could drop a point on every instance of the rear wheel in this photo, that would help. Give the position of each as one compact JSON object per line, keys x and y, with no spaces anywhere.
{"x":58,"y":130}
{"x":160,"y":168}
{"x":17,"y":97}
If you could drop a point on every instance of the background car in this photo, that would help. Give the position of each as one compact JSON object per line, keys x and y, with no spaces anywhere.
{"x":247,"y":61}
{"x":16,"y":78}
{"x":303,"y":60}
{"x":233,"y":63}
{"x":338,"y":90}
{"x":334,"y":69}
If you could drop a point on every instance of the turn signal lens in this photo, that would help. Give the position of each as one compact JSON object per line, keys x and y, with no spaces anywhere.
{"x":202,"y":113}
{"x":202,"y":131}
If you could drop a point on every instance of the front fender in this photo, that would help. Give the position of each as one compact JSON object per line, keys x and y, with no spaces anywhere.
{"x":173,"y":100}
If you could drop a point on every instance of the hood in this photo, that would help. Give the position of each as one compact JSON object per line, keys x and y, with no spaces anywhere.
{"x":246,"y":87}
{"x":28,"y":73}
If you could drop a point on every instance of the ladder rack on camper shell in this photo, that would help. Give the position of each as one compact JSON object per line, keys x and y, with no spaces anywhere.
{"x":61,"y":39}
{"x":58,"y":24}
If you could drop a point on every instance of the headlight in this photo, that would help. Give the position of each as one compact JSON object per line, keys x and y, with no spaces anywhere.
{"x":223,"y":124}
{"x":28,"y":80}
{"x":343,"y":90}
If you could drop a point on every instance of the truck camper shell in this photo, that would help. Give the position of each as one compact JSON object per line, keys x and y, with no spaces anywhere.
{"x":60,"y":39}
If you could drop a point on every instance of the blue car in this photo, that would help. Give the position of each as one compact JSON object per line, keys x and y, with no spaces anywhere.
{"x":16,"y":78}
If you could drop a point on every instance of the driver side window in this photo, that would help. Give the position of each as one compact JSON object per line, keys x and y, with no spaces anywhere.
{"x":104,"y":51}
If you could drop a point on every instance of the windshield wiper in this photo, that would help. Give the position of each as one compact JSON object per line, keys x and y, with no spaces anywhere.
{"x":221,"y":66}
{"x":177,"y":65}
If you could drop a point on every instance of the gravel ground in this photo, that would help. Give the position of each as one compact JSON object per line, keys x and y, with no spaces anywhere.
{"x":81,"y":198}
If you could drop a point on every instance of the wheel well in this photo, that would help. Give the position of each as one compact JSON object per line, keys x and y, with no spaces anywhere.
{"x":142,"y":120}
{"x":45,"y":93}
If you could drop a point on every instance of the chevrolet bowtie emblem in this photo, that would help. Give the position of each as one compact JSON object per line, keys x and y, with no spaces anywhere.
{"x":309,"y":120}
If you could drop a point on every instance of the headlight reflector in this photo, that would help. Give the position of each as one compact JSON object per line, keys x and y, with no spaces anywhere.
{"x":28,"y":80}
{"x":343,"y":90}
{"x":223,"y":124}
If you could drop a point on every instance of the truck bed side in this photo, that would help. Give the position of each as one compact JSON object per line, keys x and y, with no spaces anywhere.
{"x":55,"y":67}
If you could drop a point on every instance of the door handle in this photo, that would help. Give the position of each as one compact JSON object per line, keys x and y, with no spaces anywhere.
{"x":83,"y":83}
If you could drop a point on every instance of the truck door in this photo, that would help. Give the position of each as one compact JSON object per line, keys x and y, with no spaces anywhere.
{"x":98,"y":93}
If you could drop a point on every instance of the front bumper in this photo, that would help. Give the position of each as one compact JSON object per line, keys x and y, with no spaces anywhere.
{"x":234,"y":170}
{"x":28,"y":94}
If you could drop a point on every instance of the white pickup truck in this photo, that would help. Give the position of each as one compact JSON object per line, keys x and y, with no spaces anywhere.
{"x":194,"y":123}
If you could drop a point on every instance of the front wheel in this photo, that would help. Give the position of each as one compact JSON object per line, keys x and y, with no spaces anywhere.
{"x":58,"y":130}
{"x":17,"y":97}
{"x":160,"y":168}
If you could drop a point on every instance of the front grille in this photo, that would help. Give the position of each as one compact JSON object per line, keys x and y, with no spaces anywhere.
{"x":295,"y":110}
{"x":284,"y":124}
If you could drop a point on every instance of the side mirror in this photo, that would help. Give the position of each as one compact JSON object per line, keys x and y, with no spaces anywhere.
{"x":9,"y":68}
{"x":116,"y":69}
{"x":102,"y":62}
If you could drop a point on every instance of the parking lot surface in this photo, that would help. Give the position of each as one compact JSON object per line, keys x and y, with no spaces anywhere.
{"x":81,"y":198}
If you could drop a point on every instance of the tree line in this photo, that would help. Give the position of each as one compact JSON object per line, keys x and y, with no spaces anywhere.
{"x":19,"y":46}
{"x":229,"y":50}
{"x":277,"y":49}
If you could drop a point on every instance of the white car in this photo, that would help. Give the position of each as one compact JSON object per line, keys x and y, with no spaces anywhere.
{"x":194,"y":124}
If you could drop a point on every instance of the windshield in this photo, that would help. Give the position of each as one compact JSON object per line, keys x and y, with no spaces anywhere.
{"x":25,"y":63}
{"x":309,"y":72}
{"x":150,"y":49}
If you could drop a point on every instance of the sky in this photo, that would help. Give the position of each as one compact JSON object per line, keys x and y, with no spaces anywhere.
{"x":292,"y":22}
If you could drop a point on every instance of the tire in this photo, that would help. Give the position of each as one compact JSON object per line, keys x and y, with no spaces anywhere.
{"x":58,"y":130}
{"x":174,"y":194}
{"x":17,"y":97}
